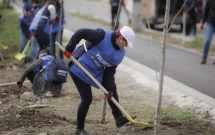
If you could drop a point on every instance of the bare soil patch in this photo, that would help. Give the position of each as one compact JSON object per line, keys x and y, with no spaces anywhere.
{"x":60,"y":117}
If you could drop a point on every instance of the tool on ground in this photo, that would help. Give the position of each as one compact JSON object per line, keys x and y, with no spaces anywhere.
{"x":145,"y":124}
{"x":20,"y":56}
{"x":12,"y":83}
{"x":4,"y":46}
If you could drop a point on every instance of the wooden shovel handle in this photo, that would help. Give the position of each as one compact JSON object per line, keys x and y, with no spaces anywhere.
{"x":12,"y":83}
{"x":94,"y":80}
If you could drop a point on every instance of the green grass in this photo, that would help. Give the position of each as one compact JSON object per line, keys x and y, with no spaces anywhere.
{"x":9,"y":27}
{"x":9,"y":30}
{"x":86,"y":17}
{"x":196,"y":43}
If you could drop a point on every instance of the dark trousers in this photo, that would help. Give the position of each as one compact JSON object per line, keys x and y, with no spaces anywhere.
{"x":31,"y":76}
{"x":43,"y":39}
{"x":191,"y":25}
{"x":54,"y":37}
{"x":113,"y":19}
{"x":85,"y":92}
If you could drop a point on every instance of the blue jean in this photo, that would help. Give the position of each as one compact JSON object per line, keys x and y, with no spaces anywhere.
{"x":34,"y":48}
{"x":23,"y":40}
{"x":209,"y":30}
{"x":53,"y":38}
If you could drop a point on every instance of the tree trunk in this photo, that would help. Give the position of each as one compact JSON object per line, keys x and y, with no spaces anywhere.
{"x":115,"y":26}
{"x":60,"y":24}
{"x":165,"y":30}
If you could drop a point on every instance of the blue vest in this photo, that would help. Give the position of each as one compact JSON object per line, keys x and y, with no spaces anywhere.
{"x":26,"y":20}
{"x":27,"y":4}
{"x":97,"y":58}
{"x":41,"y":19}
{"x":46,"y":65}
{"x":55,"y":26}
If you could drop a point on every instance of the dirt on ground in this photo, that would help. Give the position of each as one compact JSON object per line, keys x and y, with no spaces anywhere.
{"x":58,"y":115}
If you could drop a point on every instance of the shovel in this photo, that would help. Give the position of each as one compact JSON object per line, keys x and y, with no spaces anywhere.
{"x":22,"y":55}
{"x":12,"y":83}
{"x":145,"y":124}
{"x":3,"y":46}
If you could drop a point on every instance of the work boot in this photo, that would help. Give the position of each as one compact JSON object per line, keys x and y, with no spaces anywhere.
{"x":121,"y":120}
{"x":204,"y":60}
{"x":81,"y":132}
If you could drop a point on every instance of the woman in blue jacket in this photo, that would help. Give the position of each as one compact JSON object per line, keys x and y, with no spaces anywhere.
{"x":102,"y":52}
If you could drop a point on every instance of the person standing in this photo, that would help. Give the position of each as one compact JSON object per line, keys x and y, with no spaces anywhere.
{"x":191,"y":10}
{"x":100,"y":55}
{"x":114,"y":9}
{"x":36,"y":5}
{"x":209,"y":16}
{"x":25,"y":22}
{"x":42,"y":22}
{"x":55,"y":29}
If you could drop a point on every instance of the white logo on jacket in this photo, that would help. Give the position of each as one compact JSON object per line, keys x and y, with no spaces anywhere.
{"x":105,"y":63}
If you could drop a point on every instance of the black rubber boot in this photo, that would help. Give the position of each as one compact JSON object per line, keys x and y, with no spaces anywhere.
{"x":81,"y":132}
{"x":121,"y":120}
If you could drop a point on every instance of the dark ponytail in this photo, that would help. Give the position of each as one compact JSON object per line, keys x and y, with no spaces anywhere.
{"x":47,"y":51}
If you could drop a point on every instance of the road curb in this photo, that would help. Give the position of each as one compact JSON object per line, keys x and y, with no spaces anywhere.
{"x":175,"y":85}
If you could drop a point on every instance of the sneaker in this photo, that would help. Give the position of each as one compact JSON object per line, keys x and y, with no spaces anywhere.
{"x":49,"y":94}
{"x":122,"y":120}
{"x":81,"y":132}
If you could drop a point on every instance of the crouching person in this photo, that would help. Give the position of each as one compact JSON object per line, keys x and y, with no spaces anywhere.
{"x":36,"y":73}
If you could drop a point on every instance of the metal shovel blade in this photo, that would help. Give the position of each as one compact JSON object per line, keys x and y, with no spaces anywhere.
{"x":4,"y":46}
{"x":19,"y":56}
{"x":145,"y":124}
{"x":22,"y":55}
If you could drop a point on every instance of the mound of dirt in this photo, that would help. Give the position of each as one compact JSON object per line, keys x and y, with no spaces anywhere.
{"x":30,"y":118}
{"x":7,"y":91}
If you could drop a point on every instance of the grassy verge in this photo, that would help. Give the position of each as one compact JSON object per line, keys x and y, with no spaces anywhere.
{"x":9,"y":35}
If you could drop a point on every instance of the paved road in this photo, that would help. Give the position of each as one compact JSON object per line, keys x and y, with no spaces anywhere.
{"x":181,"y":65}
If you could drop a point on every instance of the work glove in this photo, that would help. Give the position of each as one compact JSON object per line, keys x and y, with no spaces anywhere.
{"x":52,"y":21}
{"x":27,"y":59}
{"x":67,"y":54}
{"x":186,"y":11}
{"x":31,"y":35}
{"x":109,"y":95}
{"x":19,"y":84}
{"x":201,"y":26}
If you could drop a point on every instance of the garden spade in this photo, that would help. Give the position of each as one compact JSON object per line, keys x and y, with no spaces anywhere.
{"x":11,"y":83}
{"x":145,"y":124}
{"x":3,"y":46}
{"x":22,"y":55}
